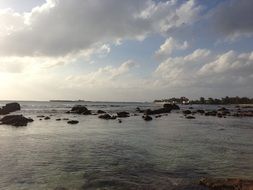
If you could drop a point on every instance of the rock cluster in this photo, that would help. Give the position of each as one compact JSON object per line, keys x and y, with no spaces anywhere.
{"x":80,"y":109}
{"x":9,"y":108}
{"x":107,"y":117}
{"x":16,"y":120}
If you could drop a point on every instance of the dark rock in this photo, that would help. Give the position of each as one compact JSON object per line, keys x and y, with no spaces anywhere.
{"x":158,"y":111}
{"x":190,"y":108}
{"x":100,"y":112}
{"x":211,"y":113}
{"x":139,"y":110}
{"x":219,"y":115}
{"x":58,"y":119}
{"x":9,"y":108}
{"x":106,"y":117}
{"x":60,"y":188}
{"x":16,"y":120}
{"x":187,"y":112}
{"x":123,"y":114}
{"x":40,"y":116}
{"x":223,"y":109}
{"x":172,"y":106}
{"x":65,"y":119}
{"x":73,"y":122}
{"x":147,"y":118}
{"x":158,"y":116}
{"x":201,"y":111}
{"x":190,"y":117}
{"x":227,"y":184}
{"x":120,"y":121}
{"x":47,"y":118}
{"x":79,"y":109}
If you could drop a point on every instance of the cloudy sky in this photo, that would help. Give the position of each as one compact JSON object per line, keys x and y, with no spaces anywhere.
{"x":125,"y":50}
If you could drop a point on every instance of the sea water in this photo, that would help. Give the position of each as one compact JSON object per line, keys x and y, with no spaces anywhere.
{"x":170,"y":152}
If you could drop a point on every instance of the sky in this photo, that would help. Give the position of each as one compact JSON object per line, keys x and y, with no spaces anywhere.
{"x":125,"y":50}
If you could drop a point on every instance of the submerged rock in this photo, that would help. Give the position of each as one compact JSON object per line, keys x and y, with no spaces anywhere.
{"x":227,"y":184}
{"x":172,"y":106}
{"x":100,"y":112}
{"x":16,"y":120}
{"x":157,"y":111}
{"x":201,"y":111}
{"x":106,"y":117}
{"x":147,"y":118}
{"x":73,"y":122}
{"x":190,"y":117}
{"x":40,"y":116}
{"x":123,"y":114}
{"x":211,"y":113}
{"x":47,"y":118}
{"x":9,"y":108}
{"x":187,"y":112}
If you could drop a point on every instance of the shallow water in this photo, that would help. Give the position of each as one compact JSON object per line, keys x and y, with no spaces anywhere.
{"x":167,"y":153}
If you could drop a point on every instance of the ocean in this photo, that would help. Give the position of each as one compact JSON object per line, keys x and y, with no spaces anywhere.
{"x":170,"y":152}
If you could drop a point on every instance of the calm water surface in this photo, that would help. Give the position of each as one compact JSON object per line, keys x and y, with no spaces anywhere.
{"x":167,"y":153}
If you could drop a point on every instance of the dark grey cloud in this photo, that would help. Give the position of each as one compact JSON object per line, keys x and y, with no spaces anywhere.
{"x":234,"y":17}
{"x":62,"y":27}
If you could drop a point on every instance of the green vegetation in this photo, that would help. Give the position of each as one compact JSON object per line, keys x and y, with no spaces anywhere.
{"x":202,"y":100}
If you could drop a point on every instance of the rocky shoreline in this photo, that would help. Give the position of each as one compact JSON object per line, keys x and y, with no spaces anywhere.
{"x":146,"y":114}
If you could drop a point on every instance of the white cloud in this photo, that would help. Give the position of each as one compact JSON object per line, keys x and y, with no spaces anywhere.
{"x":169,"y":46}
{"x":203,"y":69}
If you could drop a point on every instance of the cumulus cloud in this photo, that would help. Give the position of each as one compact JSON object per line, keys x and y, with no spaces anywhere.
{"x":61,"y":27}
{"x":205,"y":69}
{"x":169,"y":46}
{"x":105,"y":76}
{"x":234,"y":18}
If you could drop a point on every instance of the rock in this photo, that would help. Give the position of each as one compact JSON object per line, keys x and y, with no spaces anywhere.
{"x":123,"y":114}
{"x":16,"y":120}
{"x":9,"y":108}
{"x":79,"y":109}
{"x":106,"y":117}
{"x":73,"y":122}
{"x":227,"y":184}
{"x":211,"y":113}
{"x":187,"y":112}
{"x":190,"y":117}
{"x":58,"y":119}
{"x":65,"y":119}
{"x":158,"y":116}
{"x":60,"y":188}
{"x":100,"y":112}
{"x":147,"y":118}
{"x":139,"y":110}
{"x":158,"y":111}
{"x":223,"y":109}
{"x":172,"y":106}
{"x":40,"y":116}
{"x":201,"y":111}
{"x":47,"y":118}
{"x":119,"y":120}
{"x":219,"y":115}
